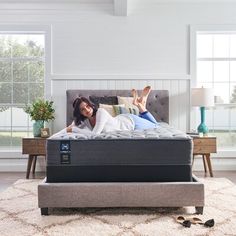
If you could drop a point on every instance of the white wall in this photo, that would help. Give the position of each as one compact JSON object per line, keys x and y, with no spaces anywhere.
{"x":91,"y":48}
{"x":89,"y":39}
{"x":88,"y":42}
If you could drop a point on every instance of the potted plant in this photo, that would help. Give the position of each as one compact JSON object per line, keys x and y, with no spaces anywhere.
{"x":40,"y":111}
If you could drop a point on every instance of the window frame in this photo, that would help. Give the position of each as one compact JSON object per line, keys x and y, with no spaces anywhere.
{"x":31,"y":29}
{"x":194,"y":30}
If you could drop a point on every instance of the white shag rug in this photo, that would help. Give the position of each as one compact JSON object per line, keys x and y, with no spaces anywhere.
{"x":20,"y":215}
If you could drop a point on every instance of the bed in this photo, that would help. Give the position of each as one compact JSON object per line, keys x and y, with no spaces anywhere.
{"x":152,"y":164}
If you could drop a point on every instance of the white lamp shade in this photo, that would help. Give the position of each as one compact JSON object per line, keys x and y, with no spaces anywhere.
{"x":203,"y":97}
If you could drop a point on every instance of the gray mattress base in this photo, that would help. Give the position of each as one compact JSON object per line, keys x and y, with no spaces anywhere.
{"x":131,"y":194}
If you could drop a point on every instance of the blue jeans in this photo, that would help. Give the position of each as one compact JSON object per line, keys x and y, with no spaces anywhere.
{"x":144,"y":120}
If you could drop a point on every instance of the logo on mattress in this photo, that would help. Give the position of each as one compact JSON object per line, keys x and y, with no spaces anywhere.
{"x":65,"y":152}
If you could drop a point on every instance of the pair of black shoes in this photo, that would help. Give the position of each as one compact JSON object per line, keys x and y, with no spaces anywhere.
{"x":187,"y":222}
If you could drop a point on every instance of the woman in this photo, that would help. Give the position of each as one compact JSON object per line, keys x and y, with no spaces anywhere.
{"x":88,"y":117}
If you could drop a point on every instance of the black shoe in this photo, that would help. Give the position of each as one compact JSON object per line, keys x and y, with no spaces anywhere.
{"x":209,"y":223}
{"x":187,"y":223}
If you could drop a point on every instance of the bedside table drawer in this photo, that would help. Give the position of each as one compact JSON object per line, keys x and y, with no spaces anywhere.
{"x":200,"y":149}
{"x":34,"y":146}
{"x":204,"y":145}
{"x":204,"y":141}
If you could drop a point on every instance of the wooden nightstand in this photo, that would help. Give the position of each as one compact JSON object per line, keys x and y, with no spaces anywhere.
{"x":205,"y":146}
{"x":34,"y":147}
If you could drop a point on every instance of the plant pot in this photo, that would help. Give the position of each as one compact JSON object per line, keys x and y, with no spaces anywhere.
{"x":37,"y":126}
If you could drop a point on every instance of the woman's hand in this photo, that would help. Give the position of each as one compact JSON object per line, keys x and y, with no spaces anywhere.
{"x":69,"y":129}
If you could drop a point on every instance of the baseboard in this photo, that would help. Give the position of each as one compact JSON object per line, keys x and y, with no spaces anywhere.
{"x":20,"y":165}
{"x":217,"y":163}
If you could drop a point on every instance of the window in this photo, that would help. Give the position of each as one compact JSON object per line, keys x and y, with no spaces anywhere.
{"x":216,"y":68}
{"x":22,"y":80}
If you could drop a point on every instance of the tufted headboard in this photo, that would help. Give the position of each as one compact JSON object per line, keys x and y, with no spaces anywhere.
{"x":157,"y":103}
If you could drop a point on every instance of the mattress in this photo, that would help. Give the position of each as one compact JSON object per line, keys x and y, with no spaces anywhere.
{"x":155,"y":155}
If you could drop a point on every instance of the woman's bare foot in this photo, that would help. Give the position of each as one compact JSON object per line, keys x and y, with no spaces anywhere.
{"x":144,"y":95}
{"x":136,"y":101}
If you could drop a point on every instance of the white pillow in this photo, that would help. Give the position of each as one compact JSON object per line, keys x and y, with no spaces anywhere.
{"x":128,"y":102}
{"x":108,"y":108}
{"x":111,"y":109}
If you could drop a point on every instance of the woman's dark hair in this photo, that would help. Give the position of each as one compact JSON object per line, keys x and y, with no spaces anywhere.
{"x":78,"y":117}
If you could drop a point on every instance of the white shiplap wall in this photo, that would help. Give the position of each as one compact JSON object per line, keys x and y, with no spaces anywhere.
{"x":178,"y":91}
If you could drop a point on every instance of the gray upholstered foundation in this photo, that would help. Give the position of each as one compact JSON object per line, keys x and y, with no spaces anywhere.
{"x":149,"y":194}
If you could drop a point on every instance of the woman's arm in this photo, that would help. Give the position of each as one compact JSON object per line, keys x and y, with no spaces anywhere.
{"x":76,"y":129}
{"x":83,"y":129}
{"x":102,"y":117}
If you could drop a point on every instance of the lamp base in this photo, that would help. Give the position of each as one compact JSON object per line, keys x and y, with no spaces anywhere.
{"x":202,"y":128}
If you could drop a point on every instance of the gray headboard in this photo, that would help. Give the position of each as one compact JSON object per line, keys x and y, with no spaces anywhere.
{"x":157,"y":103}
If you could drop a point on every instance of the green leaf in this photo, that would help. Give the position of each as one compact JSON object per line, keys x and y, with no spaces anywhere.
{"x":41,"y":110}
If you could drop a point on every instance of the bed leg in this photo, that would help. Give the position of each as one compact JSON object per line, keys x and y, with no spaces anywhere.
{"x":199,"y":210}
{"x":44,"y":211}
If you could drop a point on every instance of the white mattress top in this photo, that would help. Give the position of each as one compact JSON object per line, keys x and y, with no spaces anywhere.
{"x":163,"y":131}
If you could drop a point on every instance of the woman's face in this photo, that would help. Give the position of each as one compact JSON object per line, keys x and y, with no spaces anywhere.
{"x":86,"y":110}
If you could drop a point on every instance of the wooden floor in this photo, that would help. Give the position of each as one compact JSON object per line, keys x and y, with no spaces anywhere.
{"x":6,"y":178}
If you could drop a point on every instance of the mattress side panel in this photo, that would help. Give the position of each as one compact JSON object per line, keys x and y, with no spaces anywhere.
{"x":119,"y":152}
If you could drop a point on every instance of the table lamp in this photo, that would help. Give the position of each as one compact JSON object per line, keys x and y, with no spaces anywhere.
{"x":202,"y":97}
